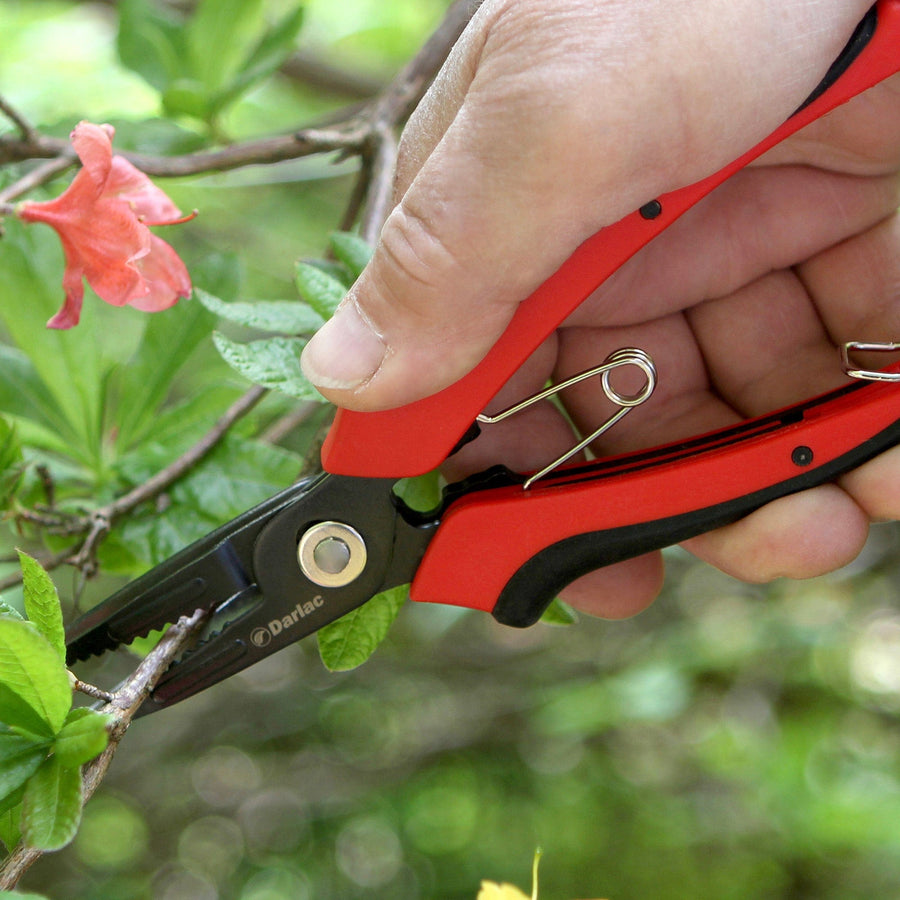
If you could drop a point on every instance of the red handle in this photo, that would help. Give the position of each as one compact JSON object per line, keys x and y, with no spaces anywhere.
{"x":417,"y":438}
{"x":523,"y":546}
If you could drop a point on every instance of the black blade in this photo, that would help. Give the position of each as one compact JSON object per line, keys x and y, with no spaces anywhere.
{"x":247,"y":573}
{"x":201,"y":576}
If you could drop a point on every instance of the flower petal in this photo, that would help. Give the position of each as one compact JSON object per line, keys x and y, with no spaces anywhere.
{"x":93,"y":144}
{"x":70,"y":312}
{"x":140,"y":193}
{"x":165,"y":275}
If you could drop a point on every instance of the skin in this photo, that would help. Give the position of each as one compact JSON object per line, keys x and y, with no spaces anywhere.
{"x":553,"y":118}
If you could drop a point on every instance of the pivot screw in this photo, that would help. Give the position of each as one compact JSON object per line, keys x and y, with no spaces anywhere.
{"x":331,"y":554}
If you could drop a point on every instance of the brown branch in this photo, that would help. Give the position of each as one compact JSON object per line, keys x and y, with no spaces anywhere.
{"x":123,"y":706}
{"x":25,"y":128}
{"x":94,"y":527}
{"x":39,"y":175}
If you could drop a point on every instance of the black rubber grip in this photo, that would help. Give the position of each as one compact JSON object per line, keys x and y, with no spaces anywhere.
{"x":531,"y":590}
{"x":858,"y":40}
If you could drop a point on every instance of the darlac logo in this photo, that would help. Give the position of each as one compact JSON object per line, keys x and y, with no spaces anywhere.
{"x":261,"y":636}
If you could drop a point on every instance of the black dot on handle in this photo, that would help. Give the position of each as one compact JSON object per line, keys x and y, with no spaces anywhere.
{"x":801,"y":456}
{"x":651,"y":210}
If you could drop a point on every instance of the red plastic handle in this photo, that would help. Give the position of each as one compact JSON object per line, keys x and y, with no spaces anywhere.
{"x":417,"y":438}
{"x":523,"y":546}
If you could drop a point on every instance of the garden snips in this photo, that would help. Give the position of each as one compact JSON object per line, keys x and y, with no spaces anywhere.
{"x":501,"y":542}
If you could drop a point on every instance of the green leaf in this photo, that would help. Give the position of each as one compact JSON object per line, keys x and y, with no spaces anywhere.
{"x":283,"y":316}
{"x":271,"y":362}
{"x":16,"y":894}
{"x":276,"y":45}
{"x":320,"y":290}
{"x":24,"y":396}
{"x":352,"y":639}
{"x":32,"y":671}
{"x":83,"y":737}
{"x":42,"y":603}
{"x":7,"y":610}
{"x":21,"y":716}
{"x":351,"y":250}
{"x":220,"y":36}
{"x":422,"y":493}
{"x":236,"y":476}
{"x":19,"y":760}
{"x":51,"y":807}
{"x":10,"y":813}
{"x":11,"y":462}
{"x":559,"y":613}
{"x":145,"y":381}
{"x":150,"y":42}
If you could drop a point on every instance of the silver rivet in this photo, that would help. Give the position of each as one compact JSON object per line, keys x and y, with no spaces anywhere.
{"x":331,"y":554}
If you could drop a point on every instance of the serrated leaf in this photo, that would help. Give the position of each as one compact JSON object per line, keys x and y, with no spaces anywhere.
{"x":283,"y":316}
{"x":42,"y":603}
{"x":237,"y":475}
{"x":19,"y":760}
{"x":271,"y":362}
{"x":320,"y":290}
{"x":83,"y":736}
{"x":559,"y":613}
{"x":351,"y":250}
{"x":352,"y":639}
{"x":32,"y":671}
{"x":51,"y":806}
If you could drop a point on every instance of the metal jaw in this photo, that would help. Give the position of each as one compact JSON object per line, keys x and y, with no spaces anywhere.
{"x":263,"y":578}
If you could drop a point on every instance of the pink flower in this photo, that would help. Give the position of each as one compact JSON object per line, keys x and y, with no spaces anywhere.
{"x":102,"y":220}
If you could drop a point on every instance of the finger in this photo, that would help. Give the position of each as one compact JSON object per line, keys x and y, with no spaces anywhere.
{"x":765,"y":347}
{"x":548,"y":120}
{"x":618,"y":591}
{"x":857,"y":289}
{"x":761,"y":220}
{"x":800,"y":536}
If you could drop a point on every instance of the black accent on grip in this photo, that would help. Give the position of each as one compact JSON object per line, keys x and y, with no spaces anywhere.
{"x":530,"y":591}
{"x":855,"y":46}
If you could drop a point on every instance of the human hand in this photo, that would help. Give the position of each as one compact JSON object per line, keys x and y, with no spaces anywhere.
{"x":554,"y":118}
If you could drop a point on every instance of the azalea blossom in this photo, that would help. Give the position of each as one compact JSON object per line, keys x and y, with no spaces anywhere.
{"x":102,"y":220}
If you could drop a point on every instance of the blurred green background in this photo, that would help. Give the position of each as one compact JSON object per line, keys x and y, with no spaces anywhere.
{"x":733,"y":742}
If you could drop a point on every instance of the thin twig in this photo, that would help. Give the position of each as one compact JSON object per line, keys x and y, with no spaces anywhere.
{"x":380,"y":193}
{"x":171,"y":473}
{"x":39,"y":175}
{"x":96,"y":526}
{"x":123,"y":706}
{"x":287,"y":423}
{"x":26,"y":130}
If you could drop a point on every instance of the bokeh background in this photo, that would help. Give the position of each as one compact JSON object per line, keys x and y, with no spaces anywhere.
{"x":733,"y":742}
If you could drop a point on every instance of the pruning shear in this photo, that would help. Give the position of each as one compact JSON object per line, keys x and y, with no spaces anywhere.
{"x":501,"y":542}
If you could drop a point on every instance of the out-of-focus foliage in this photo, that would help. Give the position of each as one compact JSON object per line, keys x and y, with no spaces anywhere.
{"x":732,"y":743}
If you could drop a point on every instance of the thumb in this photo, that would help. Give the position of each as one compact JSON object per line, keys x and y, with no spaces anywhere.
{"x":552,"y":119}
